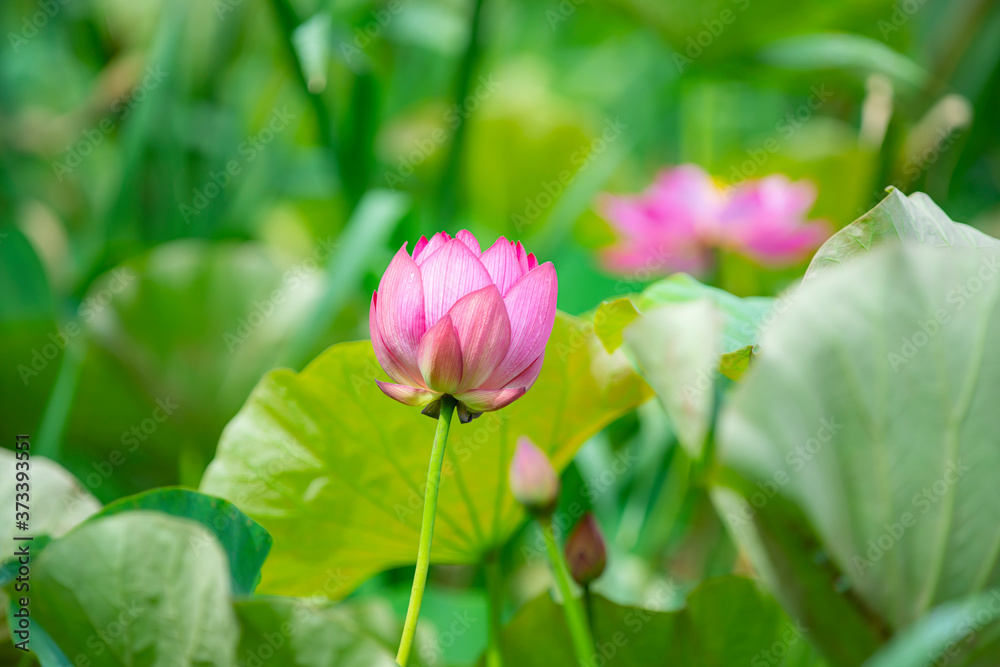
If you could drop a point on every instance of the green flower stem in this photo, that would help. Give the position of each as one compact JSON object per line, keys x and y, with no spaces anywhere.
{"x":426,"y":530}
{"x":494,"y":579}
{"x":583,"y":643}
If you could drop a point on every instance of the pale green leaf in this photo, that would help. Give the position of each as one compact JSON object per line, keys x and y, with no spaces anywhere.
{"x":915,"y":219}
{"x":243,"y":540}
{"x":873,"y":408}
{"x":611,"y":319}
{"x":676,"y":347}
{"x":140,"y":588}
{"x":941,"y":635}
{"x":130,"y":590}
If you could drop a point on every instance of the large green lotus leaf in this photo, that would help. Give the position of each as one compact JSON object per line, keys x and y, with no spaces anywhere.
{"x":129,"y":590}
{"x":872,"y":407}
{"x":181,"y":335}
{"x":966,"y":627}
{"x":243,"y":540}
{"x":777,"y":539}
{"x":335,"y":471}
{"x":915,"y":219}
{"x":727,"y":622}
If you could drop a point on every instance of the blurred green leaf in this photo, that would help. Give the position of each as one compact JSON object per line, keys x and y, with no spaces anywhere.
{"x":101,"y":592}
{"x":525,"y":146}
{"x":778,"y":540}
{"x":371,"y":225}
{"x":937,"y":636}
{"x":132,"y":589}
{"x":334,"y":469}
{"x":676,"y":347}
{"x":734,"y":364}
{"x":681,"y":334}
{"x":872,"y":408}
{"x":31,"y":345}
{"x":312,"y":44}
{"x":611,"y":319}
{"x":306,"y":633}
{"x":243,"y":540}
{"x":181,"y":335}
{"x":844,"y":51}
{"x":727,"y":622}
{"x":740,"y":326}
{"x":22,"y":280}
{"x":914,"y":219}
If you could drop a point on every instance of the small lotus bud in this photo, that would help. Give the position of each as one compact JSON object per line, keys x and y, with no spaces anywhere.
{"x":586,"y":553}
{"x":533,"y":480}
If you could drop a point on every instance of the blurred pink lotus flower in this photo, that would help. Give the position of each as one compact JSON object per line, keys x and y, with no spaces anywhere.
{"x":452,"y":319}
{"x":684,"y":215}
{"x":533,"y":481}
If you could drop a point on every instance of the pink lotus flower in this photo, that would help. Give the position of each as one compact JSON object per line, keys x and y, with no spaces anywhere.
{"x":533,"y":481}
{"x":454,"y":320}
{"x":684,"y":215}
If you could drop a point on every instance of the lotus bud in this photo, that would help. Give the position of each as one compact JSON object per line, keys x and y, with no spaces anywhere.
{"x":533,"y":480}
{"x":451,"y":319}
{"x":586,"y":553}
